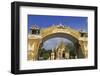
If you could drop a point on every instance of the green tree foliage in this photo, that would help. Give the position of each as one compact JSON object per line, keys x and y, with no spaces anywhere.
{"x":44,"y":53}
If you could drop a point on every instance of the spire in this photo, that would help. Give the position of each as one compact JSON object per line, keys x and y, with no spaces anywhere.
{"x":61,"y":44}
{"x":52,"y":50}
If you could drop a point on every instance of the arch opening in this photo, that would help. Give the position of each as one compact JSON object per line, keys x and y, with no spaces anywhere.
{"x":72,"y":45}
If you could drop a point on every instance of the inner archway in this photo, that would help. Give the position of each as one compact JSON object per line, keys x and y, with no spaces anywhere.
{"x":75,"y":46}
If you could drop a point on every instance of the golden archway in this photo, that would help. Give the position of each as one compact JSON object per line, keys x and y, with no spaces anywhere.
{"x":34,"y":41}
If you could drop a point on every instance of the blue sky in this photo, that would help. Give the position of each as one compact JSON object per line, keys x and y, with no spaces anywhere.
{"x":48,"y":20}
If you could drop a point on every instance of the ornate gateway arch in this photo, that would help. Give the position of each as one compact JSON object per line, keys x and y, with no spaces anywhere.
{"x":37,"y":36}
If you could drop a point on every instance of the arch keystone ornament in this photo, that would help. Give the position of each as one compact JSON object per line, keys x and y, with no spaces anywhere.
{"x":52,"y":37}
